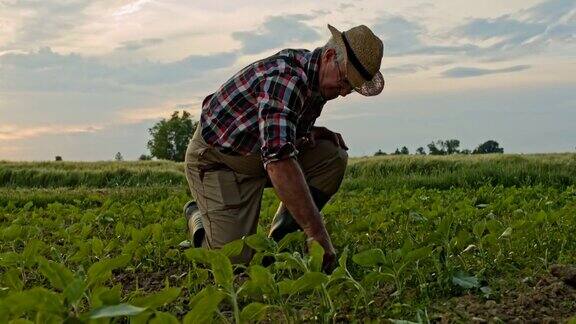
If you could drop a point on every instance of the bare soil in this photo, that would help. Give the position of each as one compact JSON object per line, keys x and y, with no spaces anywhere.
{"x":550,"y":298}
{"x":149,"y":281}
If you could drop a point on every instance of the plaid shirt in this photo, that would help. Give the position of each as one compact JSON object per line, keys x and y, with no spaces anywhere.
{"x":265,"y":107}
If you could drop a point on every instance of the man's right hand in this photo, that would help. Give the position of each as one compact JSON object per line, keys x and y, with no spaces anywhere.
{"x":329,"y":261}
{"x":292,"y":189}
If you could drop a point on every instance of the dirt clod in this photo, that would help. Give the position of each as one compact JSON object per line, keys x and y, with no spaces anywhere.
{"x":566,"y":273}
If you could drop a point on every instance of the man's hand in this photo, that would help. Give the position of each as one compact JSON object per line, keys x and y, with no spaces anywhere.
{"x":290,"y":185}
{"x":329,"y":261}
{"x":324,"y":133}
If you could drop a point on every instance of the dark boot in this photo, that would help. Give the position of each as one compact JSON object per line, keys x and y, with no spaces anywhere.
{"x":194,"y":220}
{"x":283,"y":222}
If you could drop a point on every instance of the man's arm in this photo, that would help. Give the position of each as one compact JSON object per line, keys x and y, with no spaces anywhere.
{"x":288,"y":180}
{"x":280,"y":101}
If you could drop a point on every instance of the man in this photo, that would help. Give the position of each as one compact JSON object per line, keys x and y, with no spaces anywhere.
{"x":258,"y":130}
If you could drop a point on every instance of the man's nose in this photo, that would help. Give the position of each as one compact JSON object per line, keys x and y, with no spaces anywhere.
{"x":345,"y":91}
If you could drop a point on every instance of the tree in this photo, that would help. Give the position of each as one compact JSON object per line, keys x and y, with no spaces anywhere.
{"x":379,"y":152}
{"x":444,"y":147}
{"x":118,"y":157}
{"x":145,"y":157}
{"x":170,"y":137}
{"x":397,"y":152}
{"x":434,"y":150}
{"x":420,"y":151}
{"x":452,"y":146}
{"x":490,"y":146}
{"x":465,"y":151}
{"x":58,"y":158}
{"x":404,"y":150}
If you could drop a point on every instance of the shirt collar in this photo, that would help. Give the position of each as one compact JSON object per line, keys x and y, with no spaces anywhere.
{"x":313,"y":70}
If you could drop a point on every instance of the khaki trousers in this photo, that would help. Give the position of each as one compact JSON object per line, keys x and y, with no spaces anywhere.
{"x":228,"y":189}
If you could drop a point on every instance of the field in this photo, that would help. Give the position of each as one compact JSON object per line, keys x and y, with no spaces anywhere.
{"x":420,"y":239}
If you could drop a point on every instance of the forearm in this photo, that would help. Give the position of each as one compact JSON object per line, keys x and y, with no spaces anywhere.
{"x":290,"y":185}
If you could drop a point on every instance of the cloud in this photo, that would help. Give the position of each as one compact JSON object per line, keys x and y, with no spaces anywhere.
{"x":405,"y":69}
{"x":8,"y":151}
{"x":343,"y":6}
{"x":402,"y":36}
{"x":134,"y":45}
{"x":521,"y":33}
{"x":443,"y":50}
{"x":18,"y":132}
{"x":74,"y":72}
{"x":45,"y":21}
{"x":504,"y":26}
{"x":138,"y":115}
{"x":525,"y":32}
{"x":465,"y":72}
{"x":398,"y":34}
{"x":276,"y":32}
{"x":551,"y":11}
{"x":130,"y":8}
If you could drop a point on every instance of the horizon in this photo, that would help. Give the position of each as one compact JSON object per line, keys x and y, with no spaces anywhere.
{"x":351,"y":157}
{"x":85,"y":79}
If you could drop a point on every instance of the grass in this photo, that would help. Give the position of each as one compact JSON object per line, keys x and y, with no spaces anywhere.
{"x":414,"y":233}
{"x":443,"y":172}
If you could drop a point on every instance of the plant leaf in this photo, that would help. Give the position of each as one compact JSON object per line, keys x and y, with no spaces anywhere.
{"x":260,"y":275}
{"x":158,"y":299}
{"x":309,"y":280}
{"x":110,"y":296}
{"x":465,"y":281}
{"x":395,"y":321}
{"x":58,"y":275}
{"x":233,"y":248}
{"x":260,"y":243}
{"x":36,"y":299}
{"x":290,"y":238}
{"x":116,"y":310}
{"x":506,"y":233}
{"x":74,"y":290}
{"x":164,"y":318}
{"x":222,"y":269}
{"x":13,"y":278}
{"x":102,"y":270}
{"x":418,"y":254}
{"x":479,"y":228}
{"x":199,"y":255}
{"x":285,"y":286}
{"x":253,"y":312}
{"x":341,"y":271}
{"x":370,"y":258}
{"x":203,"y":305}
{"x":316,"y":256}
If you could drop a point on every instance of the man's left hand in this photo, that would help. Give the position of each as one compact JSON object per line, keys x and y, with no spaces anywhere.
{"x":324,"y":133}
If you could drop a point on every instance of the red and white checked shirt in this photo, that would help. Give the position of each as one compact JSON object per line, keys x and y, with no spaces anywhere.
{"x":265,"y":107}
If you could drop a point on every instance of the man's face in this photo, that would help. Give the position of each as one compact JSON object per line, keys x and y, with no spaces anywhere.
{"x":333,"y":81}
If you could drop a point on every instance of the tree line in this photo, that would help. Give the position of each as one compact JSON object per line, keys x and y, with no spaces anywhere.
{"x":169,"y":140}
{"x":448,"y":147}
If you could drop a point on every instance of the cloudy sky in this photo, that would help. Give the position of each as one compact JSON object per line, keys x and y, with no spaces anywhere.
{"x":86,"y":79}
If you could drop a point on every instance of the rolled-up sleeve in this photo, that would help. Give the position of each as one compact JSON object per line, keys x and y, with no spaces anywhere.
{"x":280,"y":102}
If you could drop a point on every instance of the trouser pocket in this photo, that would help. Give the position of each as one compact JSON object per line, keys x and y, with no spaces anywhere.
{"x":221,"y":190}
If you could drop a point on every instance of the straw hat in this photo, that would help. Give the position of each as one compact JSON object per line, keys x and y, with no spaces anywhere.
{"x":364,"y":52}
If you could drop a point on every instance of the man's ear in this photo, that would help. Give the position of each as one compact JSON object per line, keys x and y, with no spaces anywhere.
{"x":329,"y":54}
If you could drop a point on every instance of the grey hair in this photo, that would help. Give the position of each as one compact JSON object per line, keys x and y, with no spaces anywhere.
{"x":340,"y":55}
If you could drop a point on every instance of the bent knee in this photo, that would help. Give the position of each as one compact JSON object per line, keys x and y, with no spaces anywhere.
{"x":328,"y":151}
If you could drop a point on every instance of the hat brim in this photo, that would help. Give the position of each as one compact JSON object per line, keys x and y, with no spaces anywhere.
{"x":359,"y":84}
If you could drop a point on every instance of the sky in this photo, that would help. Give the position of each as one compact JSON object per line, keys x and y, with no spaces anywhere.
{"x":86,"y":79}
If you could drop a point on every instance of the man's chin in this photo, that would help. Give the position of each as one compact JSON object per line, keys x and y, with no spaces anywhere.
{"x":331,"y":97}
